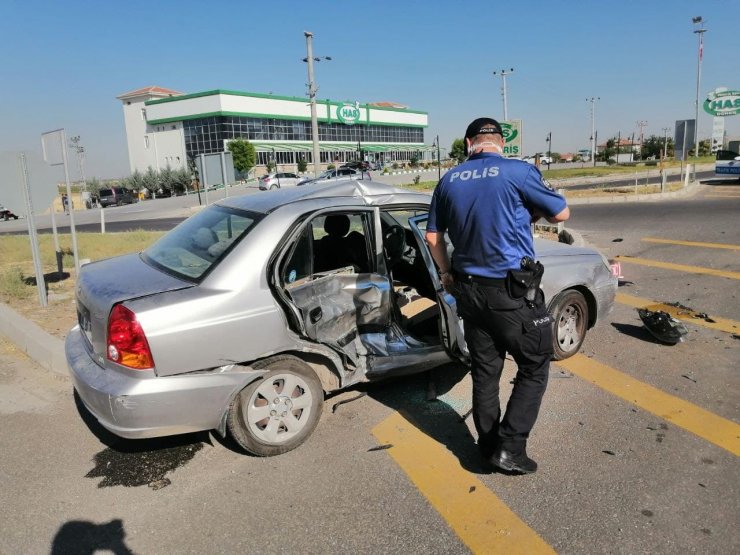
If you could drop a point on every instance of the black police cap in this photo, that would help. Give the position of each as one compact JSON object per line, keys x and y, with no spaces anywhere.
{"x":483,"y":126}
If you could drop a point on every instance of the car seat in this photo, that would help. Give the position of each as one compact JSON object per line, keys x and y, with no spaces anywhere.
{"x":336,"y":249}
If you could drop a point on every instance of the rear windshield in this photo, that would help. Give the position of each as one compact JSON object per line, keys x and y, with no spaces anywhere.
{"x":105,"y":192}
{"x":199,"y":243}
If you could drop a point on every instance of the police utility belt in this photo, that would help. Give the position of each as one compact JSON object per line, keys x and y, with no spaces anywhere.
{"x":520,"y":284}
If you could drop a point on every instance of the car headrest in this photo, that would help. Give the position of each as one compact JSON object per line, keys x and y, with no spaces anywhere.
{"x":336,"y":225}
{"x":204,"y":238}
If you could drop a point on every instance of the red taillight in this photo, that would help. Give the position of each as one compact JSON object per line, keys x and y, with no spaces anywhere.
{"x":127,"y":344}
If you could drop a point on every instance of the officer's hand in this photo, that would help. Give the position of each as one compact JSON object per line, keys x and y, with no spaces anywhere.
{"x":447,"y":282}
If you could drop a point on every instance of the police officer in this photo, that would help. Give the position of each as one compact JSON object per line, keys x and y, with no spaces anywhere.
{"x":487,"y":205}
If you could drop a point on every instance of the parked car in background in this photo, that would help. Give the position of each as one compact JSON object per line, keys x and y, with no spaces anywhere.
{"x":242,"y":317}
{"x":278,"y":180}
{"x":6,"y":214}
{"x":544,"y":160}
{"x":338,"y":173}
{"x":727,"y":163}
{"x":116,"y":196}
{"x":357,"y":165}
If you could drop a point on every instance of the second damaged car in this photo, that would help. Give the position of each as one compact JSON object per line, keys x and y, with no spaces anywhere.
{"x":245,"y":315}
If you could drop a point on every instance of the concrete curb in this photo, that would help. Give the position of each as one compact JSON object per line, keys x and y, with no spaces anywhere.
{"x":627,"y":197}
{"x":44,"y":348}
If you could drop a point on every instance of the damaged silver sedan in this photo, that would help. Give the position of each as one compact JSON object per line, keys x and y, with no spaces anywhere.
{"x":242,"y":317}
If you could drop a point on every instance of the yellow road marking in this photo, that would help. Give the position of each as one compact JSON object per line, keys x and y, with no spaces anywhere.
{"x":679,"y":267}
{"x":720,"y":431}
{"x":720,"y":324}
{"x":692,"y":243}
{"x":481,"y":520}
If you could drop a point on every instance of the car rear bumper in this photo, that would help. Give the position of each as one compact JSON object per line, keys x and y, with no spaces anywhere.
{"x":144,"y":405}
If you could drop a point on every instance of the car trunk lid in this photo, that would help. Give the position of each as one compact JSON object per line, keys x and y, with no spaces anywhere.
{"x":113,"y":281}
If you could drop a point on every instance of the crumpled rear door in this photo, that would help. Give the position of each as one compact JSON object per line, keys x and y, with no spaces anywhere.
{"x":336,"y":307}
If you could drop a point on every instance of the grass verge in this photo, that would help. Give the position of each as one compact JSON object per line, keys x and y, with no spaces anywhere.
{"x":16,"y":259}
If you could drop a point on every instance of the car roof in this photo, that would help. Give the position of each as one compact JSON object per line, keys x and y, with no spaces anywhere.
{"x":337,"y":192}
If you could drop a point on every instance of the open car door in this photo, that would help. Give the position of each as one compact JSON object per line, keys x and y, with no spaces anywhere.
{"x":451,"y":326}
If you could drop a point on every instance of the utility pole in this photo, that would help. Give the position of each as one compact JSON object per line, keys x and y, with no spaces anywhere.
{"x":549,"y":149}
{"x":503,"y":73}
{"x":439,"y":160}
{"x":593,"y":101}
{"x":80,"y":150}
{"x":596,"y":136}
{"x":700,"y":32}
{"x":312,"y":90}
{"x":641,"y":124}
{"x":665,"y":141}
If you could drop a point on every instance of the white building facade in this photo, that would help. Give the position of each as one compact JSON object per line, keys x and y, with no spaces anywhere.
{"x":167,"y":128}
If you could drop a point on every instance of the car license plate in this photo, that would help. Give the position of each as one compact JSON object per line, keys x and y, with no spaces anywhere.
{"x":83,"y":319}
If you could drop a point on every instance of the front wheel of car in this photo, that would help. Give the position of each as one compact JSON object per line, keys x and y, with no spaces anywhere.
{"x":570,"y":321}
{"x":278,"y":412}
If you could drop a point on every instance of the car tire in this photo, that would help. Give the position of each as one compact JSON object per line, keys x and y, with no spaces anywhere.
{"x":266,"y":422}
{"x":569,"y":311}
{"x":274,"y":187}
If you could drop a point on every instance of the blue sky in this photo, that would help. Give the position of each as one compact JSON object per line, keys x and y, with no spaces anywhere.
{"x":65,"y":62}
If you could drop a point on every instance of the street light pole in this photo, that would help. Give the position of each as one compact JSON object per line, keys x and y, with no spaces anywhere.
{"x":80,"y":150}
{"x":312,"y":89}
{"x":641,"y":124}
{"x":593,"y":100}
{"x":503,"y":73}
{"x":700,"y":31}
{"x":439,"y":160}
{"x":665,"y":141}
{"x":549,"y":148}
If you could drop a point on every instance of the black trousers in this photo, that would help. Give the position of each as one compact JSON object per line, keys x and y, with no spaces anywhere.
{"x":496,"y":324}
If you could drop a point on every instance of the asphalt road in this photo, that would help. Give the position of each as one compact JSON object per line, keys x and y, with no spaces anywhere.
{"x":637,"y":441}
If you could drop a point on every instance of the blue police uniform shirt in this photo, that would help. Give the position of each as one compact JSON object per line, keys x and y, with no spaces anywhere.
{"x":484,"y":204}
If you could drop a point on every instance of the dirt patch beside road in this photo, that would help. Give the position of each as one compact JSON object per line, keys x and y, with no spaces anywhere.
{"x":58,"y":317}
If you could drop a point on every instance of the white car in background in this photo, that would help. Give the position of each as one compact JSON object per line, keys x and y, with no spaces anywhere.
{"x":543,"y":160}
{"x":278,"y":180}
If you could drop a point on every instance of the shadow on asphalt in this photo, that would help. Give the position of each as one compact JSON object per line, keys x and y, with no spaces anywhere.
{"x":84,"y":537}
{"x":441,"y":419}
{"x":722,"y":182}
{"x":637,"y":332}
